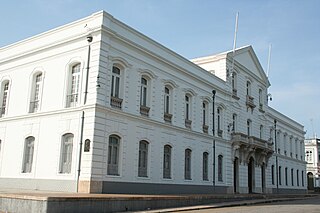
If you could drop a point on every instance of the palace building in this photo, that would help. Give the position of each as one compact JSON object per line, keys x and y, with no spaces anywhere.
{"x":97,"y":107}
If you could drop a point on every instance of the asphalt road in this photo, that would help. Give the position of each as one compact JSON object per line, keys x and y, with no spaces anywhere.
{"x":308,"y":205}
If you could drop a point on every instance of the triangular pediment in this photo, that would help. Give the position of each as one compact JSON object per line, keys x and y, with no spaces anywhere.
{"x":248,"y":59}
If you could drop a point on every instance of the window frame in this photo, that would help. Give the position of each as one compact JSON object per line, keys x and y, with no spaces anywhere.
{"x":167,"y":162}
{"x":74,"y":85}
{"x":36,"y":92}
{"x":113,"y":158}
{"x":143,"y":158}
{"x":66,"y":153}
{"x":28,"y":154}
{"x":188,"y":164}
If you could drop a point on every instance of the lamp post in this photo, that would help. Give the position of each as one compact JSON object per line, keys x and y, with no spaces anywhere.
{"x":214,"y":140}
{"x":276,"y":148}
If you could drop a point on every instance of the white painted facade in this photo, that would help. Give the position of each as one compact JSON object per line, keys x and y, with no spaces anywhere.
{"x":78,"y":98}
{"x":312,"y":147}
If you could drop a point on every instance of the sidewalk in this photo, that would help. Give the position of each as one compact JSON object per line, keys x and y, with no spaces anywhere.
{"x":40,"y":201}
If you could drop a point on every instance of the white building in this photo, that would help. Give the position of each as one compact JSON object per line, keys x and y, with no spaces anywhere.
{"x":312,"y":148}
{"x":95,"y":106}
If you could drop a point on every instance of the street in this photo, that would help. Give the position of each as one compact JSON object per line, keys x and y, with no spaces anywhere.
{"x":309,"y":205}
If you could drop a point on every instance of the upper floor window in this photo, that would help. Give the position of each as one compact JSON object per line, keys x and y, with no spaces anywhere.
{"x":28,"y":155}
{"x":234,"y":122}
{"x":167,"y":161}
{"x":36,"y":93}
{"x":205,"y":166}
{"x":248,"y":88}
{"x":4,"y":97}
{"x":144,"y":91}
{"x":143,"y":159}
{"x":309,"y":156}
{"x":220,"y":166}
{"x":188,"y":111}
{"x":167,"y":104}
{"x":113,"y":155}
{"x":205,"y":116}
{"x":66,"y":153}
{"x":234,"y":83}
{"x":116,"y":100}
{"x":261,"y":132}
{"x":187,"y":164}
{"x":219,"y":123}
{"x":73,"y":87}
{"x":260,"y":99}
{"x":249,"y":127}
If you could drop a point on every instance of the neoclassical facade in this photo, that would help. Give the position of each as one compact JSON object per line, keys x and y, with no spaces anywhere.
{"x":312,"y":147}
{"x":97,"y":107}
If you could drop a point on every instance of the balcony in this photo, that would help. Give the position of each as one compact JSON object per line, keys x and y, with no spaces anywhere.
{"x":246,"y":140}
{"x":250,"y":102}
{"x":167,"y":117}
{"x":116,"y":102}
{"x":34,"y":106}
{"x":205,"y":128}
{"x":188,"y":123}
{"x":72,"y":100}
{"x":144,"y":110}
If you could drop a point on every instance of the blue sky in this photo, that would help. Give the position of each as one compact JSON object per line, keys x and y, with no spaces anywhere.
{"x":196,"y":28}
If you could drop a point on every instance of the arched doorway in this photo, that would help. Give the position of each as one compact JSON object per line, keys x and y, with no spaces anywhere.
{"x":251,"y":175}
{"x":310,"y":181}
{"x":236,"y":175}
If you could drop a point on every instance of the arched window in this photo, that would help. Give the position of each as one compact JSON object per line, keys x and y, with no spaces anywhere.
{"x":167,"y":161}
{"x":4,"y":97}
{"x":219,"y":123}
{"x":143,"y":159}
{"x":205,"y":116}
{"x":36,"y":93}
{"x":144,"y":91}
{"x":113,"y":155}
{"x":205,"y":165}
{"x":73,"y":86}
{"x":187,"y":164}
{"x":66,"y":153}
{"x":116,"y":100}
{"x":28,"y":154}
{"x":167,"y":104}
{"x":220,"y":166}
{"x":188,"y":111}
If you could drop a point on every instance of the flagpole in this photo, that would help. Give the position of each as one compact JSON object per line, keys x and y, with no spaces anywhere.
{"x":234,"y":41}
